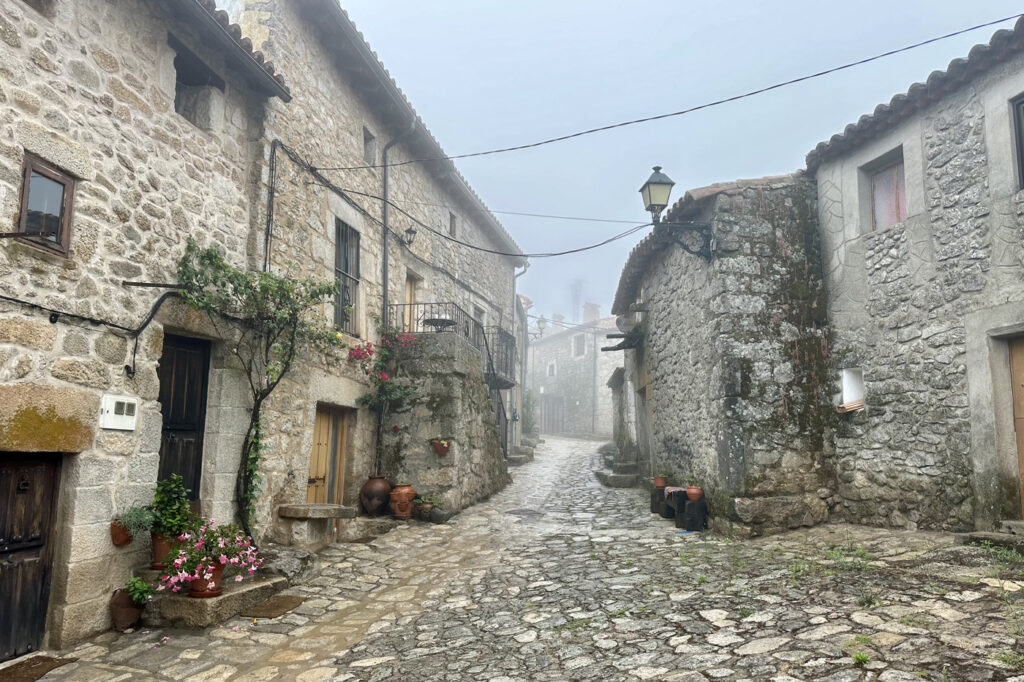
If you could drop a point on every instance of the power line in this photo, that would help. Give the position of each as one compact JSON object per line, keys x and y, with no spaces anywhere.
{"x":707,"y":105}
{"x":528,"y":215}
{"x":550,"y":254}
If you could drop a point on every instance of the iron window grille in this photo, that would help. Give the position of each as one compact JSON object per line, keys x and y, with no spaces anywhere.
{"x":346,"y":272}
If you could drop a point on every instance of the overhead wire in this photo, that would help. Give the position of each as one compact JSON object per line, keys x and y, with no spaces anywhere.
{"x":688,"y":110}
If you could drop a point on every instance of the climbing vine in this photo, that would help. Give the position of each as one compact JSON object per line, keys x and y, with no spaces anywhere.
{"x":272,"y":317}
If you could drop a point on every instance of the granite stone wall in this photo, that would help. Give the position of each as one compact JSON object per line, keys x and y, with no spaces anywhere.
{"x":731,"y":372}
{"x":925,"y":309}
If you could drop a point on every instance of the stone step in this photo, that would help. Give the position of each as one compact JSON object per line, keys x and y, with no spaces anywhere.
{"x":1007,"y":540}
{"x":1012,"y":527}
{"x":174,"y":609}
{"x":517,"y":460}
{"x":625,"y":467}
{"x":610,"y":479}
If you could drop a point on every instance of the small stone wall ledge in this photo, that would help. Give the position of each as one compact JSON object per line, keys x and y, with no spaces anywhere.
{"x":316,"y":511}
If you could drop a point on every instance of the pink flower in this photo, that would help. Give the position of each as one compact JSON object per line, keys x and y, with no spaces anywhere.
{"x":383,"y":376}
{"x":238,"y":578}
{"x":223,"y":559}
{"x":210,"y":585}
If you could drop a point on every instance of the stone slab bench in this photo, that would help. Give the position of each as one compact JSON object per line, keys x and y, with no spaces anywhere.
{"x":185,"y":611}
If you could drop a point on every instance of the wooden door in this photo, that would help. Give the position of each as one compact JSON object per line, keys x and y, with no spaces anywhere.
{"x":1017,"y":381}
{"x":552,"y":415}
{"x":183,"y":372}
{"x":326,"y":482}
{"x":28,"y":500}
{"x":410,"y":302}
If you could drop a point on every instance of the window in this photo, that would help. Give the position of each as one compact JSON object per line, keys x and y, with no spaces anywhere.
{"x":452,"y":224}
{"x":888,"y":196}
{"x":346,"y":272}
{"x":579,"y":346}
{"x":198,"y":91}
{"x":369,"y":147}
{"x":45,"y":212}
{"x":852,"y":390}
{"x":551,"y":368}
{"x":1018,"y":122}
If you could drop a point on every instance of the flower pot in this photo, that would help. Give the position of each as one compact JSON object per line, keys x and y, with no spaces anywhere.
{"x":439,"y":447}
{"x":374,"y":495}
{"x":401,"y":500}
{"x":694,"y":492}
{"x":124,"y":612}
{"x":424,"y":510}
{"x":119,"y":535}
{"x":160,"y":551}
{"x":660,"y":482}
{"x":200,"y":589}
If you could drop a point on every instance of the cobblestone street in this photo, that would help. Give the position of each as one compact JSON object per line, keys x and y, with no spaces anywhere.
{"x":557,"y":578}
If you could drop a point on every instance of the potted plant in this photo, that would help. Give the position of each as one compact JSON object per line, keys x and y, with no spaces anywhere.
{"x":440,"y":445}
{"x":660,"y":480}
{"x":693,"y":491}
{"x":203,"y":553}
{"x":401,"y":500}
{"x":129,"y":523}
{"x":171,"y":517}
{"x":127,"y":603}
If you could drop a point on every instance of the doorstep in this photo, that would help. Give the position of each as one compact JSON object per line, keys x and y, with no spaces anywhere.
{"x":174,"y":609}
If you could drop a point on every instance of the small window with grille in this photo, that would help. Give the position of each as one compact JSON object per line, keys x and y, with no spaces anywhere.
{"x":346,"y":272}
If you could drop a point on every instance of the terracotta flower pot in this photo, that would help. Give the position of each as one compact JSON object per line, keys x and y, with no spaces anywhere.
{"x":374,"y":495}
{"x":401,"y":500}
{"x":441,"y":448}
{"x":161,"y":550}
{"x":200,"y":589}
{"x":660,"y":482}
{"x":124,"y":612}
{"x":119,"y":535}
{"x":694,"y":492}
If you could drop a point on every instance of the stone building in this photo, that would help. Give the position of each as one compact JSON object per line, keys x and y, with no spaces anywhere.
{"x":129,"y":127}
{"x":568,"y":375}
{"x":858,"y":327}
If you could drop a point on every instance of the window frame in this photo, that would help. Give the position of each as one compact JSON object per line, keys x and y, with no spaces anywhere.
{"x":580,"y":339}
{"x":35,"y":164}
{"x":1018,"y":136}
{"x":552,"y":370}
{"x":352,"y":247}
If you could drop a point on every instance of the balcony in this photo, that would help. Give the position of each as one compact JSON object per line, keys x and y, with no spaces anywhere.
{"x":496,"y":346}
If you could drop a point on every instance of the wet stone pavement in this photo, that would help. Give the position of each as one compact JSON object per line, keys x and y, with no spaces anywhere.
{"x":557,"y":578}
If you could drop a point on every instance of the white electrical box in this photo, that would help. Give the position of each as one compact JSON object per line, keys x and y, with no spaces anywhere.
{"x":118,"y":412}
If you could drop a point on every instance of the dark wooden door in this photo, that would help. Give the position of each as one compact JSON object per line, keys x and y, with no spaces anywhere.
{"x":28,"y":496}
{"x":184,"y":368}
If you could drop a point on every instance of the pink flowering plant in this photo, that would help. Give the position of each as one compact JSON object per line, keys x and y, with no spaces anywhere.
{"x":376,"y":361}
{"x":204,"y":547}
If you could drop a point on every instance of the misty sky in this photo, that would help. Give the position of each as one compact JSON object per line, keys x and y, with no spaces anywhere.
{"x":488,"y":74}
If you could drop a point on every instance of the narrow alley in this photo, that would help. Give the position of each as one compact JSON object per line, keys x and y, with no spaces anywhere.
{"x":557,"y":578}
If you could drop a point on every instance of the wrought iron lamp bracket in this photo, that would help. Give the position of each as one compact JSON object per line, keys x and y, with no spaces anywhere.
{"x":673,"y":232}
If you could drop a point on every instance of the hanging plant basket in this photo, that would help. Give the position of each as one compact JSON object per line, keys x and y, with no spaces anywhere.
{"x":440,"y":446}
{"x":119,"y":535}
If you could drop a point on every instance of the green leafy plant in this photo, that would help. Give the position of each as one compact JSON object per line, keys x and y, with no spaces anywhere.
{"x":861,"y":658}
{"x":170,"y":511}
{"x":139,"y":590}
{"x":272,"y":316}
{"x":202,"y":548}
{"x":690,"y":480}
{"x":137,"y":519}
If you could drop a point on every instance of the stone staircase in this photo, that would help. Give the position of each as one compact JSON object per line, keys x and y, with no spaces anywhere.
{"x":615,"y":473}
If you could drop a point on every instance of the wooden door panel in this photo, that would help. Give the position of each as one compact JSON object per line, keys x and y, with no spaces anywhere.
{"x":28,"y":491}
{"x":326,"y":483}
{"x":184,"y":368}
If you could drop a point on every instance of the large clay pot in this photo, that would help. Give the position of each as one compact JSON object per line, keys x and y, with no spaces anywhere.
{"x":374,"y":495}
{"x":161,"y":549}
{"x":119,"y":535}
{"x":124,"y":612}
{"x":401,"y":500}
{"x":694,"y":492}
{"x":201,"y":589}
{"x":660,"y":482}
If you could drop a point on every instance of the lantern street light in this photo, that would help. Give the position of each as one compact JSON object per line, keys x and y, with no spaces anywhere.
{"x":410,"y":234}
{"x":697,"y":237}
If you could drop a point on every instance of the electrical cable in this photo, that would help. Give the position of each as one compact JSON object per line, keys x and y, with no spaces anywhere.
{"x":530,"y":215}
{"x":706,"y":105}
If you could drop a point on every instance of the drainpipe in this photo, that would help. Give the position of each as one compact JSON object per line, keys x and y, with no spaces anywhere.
{"x":385,"y":212}
{"x":593,"y":394}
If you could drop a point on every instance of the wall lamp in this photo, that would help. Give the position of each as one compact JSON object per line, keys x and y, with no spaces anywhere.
{"x":542,"y":323}
{"x":655,"y":193}
{"x":410,"y":235}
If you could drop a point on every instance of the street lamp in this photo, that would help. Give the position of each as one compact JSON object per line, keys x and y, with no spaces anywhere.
{"x":698,"y":238}
{"x":655,"y":193}
{"x":410,"y":234}
{"x":541,"y":324}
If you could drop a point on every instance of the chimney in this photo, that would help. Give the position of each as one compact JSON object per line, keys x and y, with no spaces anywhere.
{"x":591,"y":312}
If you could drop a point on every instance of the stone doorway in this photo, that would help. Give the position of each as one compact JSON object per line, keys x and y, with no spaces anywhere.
{"x":184,"y":373}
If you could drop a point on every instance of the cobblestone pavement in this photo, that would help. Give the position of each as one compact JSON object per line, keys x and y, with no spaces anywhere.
{"x":557,"y":578}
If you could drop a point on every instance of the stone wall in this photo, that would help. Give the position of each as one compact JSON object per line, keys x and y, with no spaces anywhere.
{"x":731,"y":372}
{"x":926,"y":309}
{"x":452,"y":403}
{"x":579,"y":380}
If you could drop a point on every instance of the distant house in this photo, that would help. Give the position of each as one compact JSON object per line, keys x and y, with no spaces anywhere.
{"x":568,"y":375}
{"x":855,"y":347}
{"x":131,"y":126}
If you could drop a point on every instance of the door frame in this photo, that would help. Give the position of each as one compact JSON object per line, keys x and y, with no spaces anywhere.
{"x":207,"y":345}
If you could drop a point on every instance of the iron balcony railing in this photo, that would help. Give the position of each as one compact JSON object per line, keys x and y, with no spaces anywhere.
{"x":496,"y":346}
